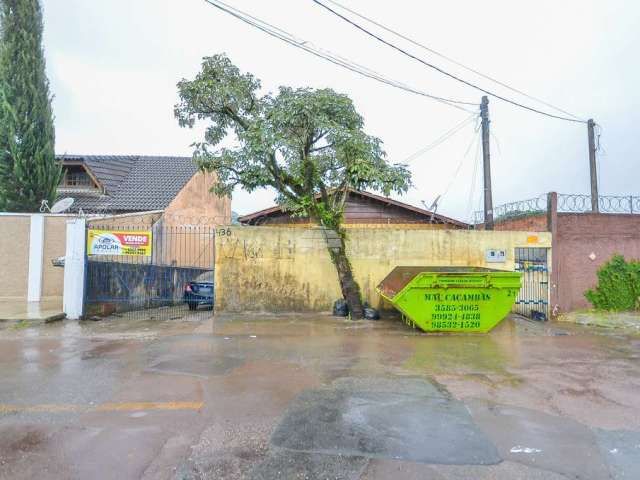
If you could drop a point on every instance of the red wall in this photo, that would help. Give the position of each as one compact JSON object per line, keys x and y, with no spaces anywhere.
{"x":579,"y":235}
{"x":532,"y":223}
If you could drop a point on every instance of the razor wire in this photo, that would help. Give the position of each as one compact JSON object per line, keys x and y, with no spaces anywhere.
{"x":567,"y":203}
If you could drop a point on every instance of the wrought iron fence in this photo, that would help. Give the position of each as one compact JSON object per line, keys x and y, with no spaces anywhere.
{"x":154,"y":280}
{"x":567,"y":203}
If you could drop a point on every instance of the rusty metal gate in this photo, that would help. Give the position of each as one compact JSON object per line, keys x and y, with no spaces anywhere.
{"x":533,"y":299}
{"x":148,"y":271}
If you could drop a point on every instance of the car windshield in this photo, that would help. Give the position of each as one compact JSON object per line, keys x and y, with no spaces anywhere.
{"x":206,"y":277}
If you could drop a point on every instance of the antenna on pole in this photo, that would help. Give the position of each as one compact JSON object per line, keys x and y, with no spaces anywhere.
{"x":432,"y":208}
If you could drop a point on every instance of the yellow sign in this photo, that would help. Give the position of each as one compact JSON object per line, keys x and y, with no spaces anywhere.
{"x":532,"y":239}
{"x":119,"y":242}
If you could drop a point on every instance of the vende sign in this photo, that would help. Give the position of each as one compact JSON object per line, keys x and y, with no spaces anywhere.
{"x":119,"y":242}
{"x":134,"y":239}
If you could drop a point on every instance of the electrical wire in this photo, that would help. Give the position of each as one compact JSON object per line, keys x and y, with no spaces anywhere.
{"x":441,"y":139}
{"x":326,"y":55}
{"x":600,"y":152}
{"x":455,"y":62}
{"x":474,"y":181}
{"x":474,"y":139}
{"x":450,"y":75}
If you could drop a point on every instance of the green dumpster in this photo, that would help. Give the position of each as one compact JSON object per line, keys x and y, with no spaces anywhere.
{"x":451,"y":299}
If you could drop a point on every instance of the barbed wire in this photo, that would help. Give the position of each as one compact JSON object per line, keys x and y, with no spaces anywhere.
{"x":606,"y":203}
{"x":567,"y":203}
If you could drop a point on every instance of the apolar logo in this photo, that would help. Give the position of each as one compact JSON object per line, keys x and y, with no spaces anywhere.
{"x":106,"y":244}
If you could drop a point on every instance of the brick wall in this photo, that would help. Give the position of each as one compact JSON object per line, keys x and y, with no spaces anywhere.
{"x":582,"y":243}
{"x":579,"y":236}
{"x":531,"y":223}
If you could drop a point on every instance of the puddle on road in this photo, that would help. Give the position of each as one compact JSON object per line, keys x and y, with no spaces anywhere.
{"x":402,"y":419}
{"x":202,"y":366}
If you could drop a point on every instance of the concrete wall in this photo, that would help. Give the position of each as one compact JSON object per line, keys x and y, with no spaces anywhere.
{"x":581,"y":236}
{"x":55,"y":236}
{"x":14,"y":254}
{"x":132,"y":221}
{"x":196,"y":205}
{"x":288,"y":269}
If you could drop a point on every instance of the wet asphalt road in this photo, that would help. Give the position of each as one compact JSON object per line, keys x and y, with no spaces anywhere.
{"x":314,"y":397}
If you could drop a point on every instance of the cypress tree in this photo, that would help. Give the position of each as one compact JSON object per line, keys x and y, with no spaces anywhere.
{"x":29,"y":172}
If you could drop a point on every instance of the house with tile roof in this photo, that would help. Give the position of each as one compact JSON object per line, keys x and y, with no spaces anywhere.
{"x":118,"y":184}
{"x":362,"y":209}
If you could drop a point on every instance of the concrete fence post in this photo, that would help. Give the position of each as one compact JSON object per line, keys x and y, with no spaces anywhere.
{"x":554,"y":277}
{"x":74,"y":268}
{"x":36,"y":254}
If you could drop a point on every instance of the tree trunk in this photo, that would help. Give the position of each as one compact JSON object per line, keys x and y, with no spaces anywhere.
{"x":350,"y":289}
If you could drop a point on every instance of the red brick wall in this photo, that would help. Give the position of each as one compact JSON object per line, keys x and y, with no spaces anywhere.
{"x":580,"y":235}
{"x":532,"y":223}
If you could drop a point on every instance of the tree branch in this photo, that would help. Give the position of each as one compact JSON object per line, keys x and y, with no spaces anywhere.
{"x":318,"y":149}
{"x":239,"y":120}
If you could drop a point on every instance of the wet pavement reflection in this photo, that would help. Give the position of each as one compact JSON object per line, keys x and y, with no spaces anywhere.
{"x":312,"y":396}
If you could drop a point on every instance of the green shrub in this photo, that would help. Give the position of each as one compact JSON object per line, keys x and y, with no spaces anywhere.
{"x":618,"y":285}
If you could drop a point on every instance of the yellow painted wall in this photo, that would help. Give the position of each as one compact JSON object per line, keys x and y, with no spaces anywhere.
{"x":288,"y":269}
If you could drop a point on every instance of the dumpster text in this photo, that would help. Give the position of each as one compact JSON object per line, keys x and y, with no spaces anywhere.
{"x":462,"y":313}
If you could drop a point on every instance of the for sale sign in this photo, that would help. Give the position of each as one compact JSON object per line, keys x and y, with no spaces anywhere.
{"x":119,"y":242}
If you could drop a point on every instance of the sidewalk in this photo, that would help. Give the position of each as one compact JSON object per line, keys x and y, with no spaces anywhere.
{"x":13,"y":309}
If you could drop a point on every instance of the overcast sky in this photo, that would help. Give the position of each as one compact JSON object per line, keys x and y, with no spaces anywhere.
{"x":113,"y":67}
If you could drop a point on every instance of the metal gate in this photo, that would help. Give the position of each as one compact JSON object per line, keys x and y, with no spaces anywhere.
{"x":533,"y":299}
{"x":148,"y":271}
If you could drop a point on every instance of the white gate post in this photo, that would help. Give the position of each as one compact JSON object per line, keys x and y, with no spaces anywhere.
{"x":36,"y":252}
{"x":74,"y":267}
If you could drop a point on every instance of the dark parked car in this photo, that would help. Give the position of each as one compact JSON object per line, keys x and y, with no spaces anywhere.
{"x":199,"y":291}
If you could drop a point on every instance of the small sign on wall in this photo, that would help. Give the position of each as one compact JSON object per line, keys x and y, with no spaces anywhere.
{"x":119,"y":242}
{"x":494,"y":255}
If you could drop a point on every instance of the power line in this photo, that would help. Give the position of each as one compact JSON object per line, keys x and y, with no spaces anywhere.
{"x":474,"y":138}
{"x":326,"y":55}
{"x":476,"y":164}
{"x":418,"y":59}
{"x":441,"y":139}
{"x":455,"y":62}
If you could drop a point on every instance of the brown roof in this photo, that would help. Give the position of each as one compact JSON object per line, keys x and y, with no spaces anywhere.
{"x":131,"y":183}
{"x":251,"y":217}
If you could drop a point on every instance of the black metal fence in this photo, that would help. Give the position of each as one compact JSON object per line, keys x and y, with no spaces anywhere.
{"x":533,"y":298}
{"x":144,"y":271}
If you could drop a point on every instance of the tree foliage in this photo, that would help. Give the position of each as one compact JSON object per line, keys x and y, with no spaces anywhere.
{"x":29,"y":172}
{"x":309,"y":145}
{"x":618,"y":286}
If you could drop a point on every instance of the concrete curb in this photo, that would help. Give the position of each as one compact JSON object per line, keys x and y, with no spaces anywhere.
{"x":32,"y":321}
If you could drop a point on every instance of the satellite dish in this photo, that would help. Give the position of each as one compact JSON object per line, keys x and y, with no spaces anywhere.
{"x":62,"y":205}
{"x":433,"y":206}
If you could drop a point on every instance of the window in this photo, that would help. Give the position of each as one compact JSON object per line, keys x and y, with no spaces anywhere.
{"x":76,"y":177}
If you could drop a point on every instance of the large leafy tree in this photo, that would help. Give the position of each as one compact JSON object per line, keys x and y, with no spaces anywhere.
{"x":28,"y":169}
{"x":307,"y":144}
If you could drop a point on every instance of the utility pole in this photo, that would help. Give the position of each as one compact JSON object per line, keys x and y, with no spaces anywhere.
{"x":592,"y":165}
{"x":486,"y":162}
